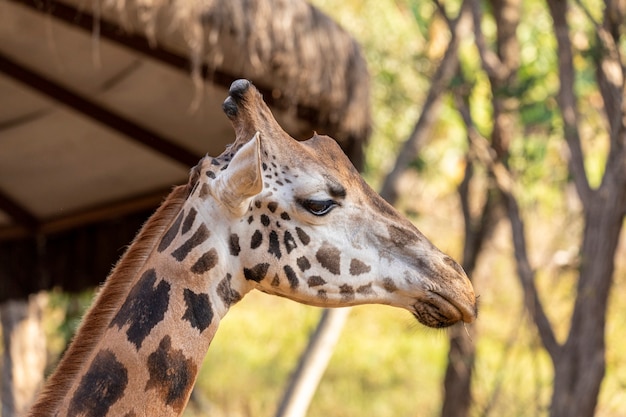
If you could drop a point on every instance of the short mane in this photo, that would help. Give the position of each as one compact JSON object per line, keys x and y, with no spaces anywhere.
{"x":110,"y":297}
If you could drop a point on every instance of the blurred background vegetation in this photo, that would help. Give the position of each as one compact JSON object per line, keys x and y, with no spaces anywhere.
{"x":385,"y":363}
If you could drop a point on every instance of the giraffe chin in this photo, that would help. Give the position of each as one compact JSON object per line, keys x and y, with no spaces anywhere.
{"x":436,"y":312}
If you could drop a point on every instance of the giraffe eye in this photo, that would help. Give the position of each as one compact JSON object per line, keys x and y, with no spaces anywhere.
{"x":318,"y":207}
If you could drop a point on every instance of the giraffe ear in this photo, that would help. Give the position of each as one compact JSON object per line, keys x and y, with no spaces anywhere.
{"x":242,"y":179}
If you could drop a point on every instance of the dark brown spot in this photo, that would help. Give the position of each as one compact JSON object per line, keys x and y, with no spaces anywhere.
{"x":210,"y":174}
{"x":199,"y":311}
{"x":206,"y":262}
{"x":233,"y":244}
{"x":303,"y":263}
{"x":291,"y":277}
{"x":347,"y":292}
{"x":330,"y":258}
{"x":290,"y":242}
{"x":275,"y":281}
{"x":102,"y":386}
{"x":315,"y":281}
{"x":171,"y":233}
{"x":265,"y":220}
{"x":389,"y":285}
{"x":250,"y":219}
{"x":274,"y":248}
{"x":285,"y":216}
{"x":144,"y":308}
{"x":171,"y":374}
{"x":402,"y":237}
{"x":196,"y":239}
{"x":191,"y":217}
{"x":365,"y":289}
{"x":226,"y":292}
{"x":322,"y":294}
{"x":257,"y":272}
{"x":272,"y":206}
{"x":257,"y":239}
{"x":304,"y":238}
{"x":357,"y":267}
{"x":257,"y":204}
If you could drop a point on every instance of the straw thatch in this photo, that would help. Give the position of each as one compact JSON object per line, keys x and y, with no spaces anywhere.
{"x":308,"y":60}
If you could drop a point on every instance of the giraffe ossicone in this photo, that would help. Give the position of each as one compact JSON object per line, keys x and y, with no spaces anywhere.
{"x":293,"y":219}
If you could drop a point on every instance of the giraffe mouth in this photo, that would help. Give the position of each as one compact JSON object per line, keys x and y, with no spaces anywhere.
{"x":436,"y":311}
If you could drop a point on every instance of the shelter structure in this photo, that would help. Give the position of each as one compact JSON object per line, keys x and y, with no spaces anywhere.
{"x":104,"y":105}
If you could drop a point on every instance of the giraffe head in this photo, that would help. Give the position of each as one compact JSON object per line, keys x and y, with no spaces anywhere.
{"x":304,"y":225}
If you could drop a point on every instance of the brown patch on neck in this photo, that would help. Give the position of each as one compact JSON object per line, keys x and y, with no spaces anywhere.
{"x":107,"y":302}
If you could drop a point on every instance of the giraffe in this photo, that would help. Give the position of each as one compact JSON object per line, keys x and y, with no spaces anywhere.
{"x":292,"y":219}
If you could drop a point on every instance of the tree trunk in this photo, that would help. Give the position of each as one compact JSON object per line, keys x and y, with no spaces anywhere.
{"x":312,"y":364}
{"x":24,"y":356}
{"x":501,"y":69}
{"x":462,"y":352}
{"x":458,"y":378}
{"x":580,"y":367}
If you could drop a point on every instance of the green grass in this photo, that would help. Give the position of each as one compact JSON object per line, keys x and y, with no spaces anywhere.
{"x":385,"y":364}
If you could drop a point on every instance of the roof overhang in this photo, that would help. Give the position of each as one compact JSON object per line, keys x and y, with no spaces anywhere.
{"x":102,"y":111}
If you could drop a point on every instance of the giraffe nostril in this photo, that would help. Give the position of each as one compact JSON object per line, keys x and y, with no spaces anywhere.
{"x":451,"y":262}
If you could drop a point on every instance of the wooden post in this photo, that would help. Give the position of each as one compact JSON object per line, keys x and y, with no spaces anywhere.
{"x":24,"y":353}
{"x":312,"y":364}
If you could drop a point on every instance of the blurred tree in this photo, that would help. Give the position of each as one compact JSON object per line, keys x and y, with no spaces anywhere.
{"x":579,"y":361}
{"x":501,"y":67}
{"x":522,"y":118}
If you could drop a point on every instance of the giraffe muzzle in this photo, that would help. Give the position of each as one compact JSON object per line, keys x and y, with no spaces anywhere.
{"x":450,"y":301}
{"x":435,"y":310}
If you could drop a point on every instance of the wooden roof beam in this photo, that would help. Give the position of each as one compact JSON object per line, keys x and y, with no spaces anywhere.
{"x":20,"y":215}
{"x":80,"y":104}
{"x":27,"y":227}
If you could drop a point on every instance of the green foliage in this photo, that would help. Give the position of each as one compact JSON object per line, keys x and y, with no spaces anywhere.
{"x":63,"y":315}
{"x":394,"y":43}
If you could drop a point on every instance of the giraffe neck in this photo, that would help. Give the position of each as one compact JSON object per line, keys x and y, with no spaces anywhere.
{"x":148,"y":349}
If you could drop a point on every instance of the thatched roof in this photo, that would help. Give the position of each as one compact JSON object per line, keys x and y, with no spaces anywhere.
{"x":289,"y":46}
{"x":101,"y":116}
